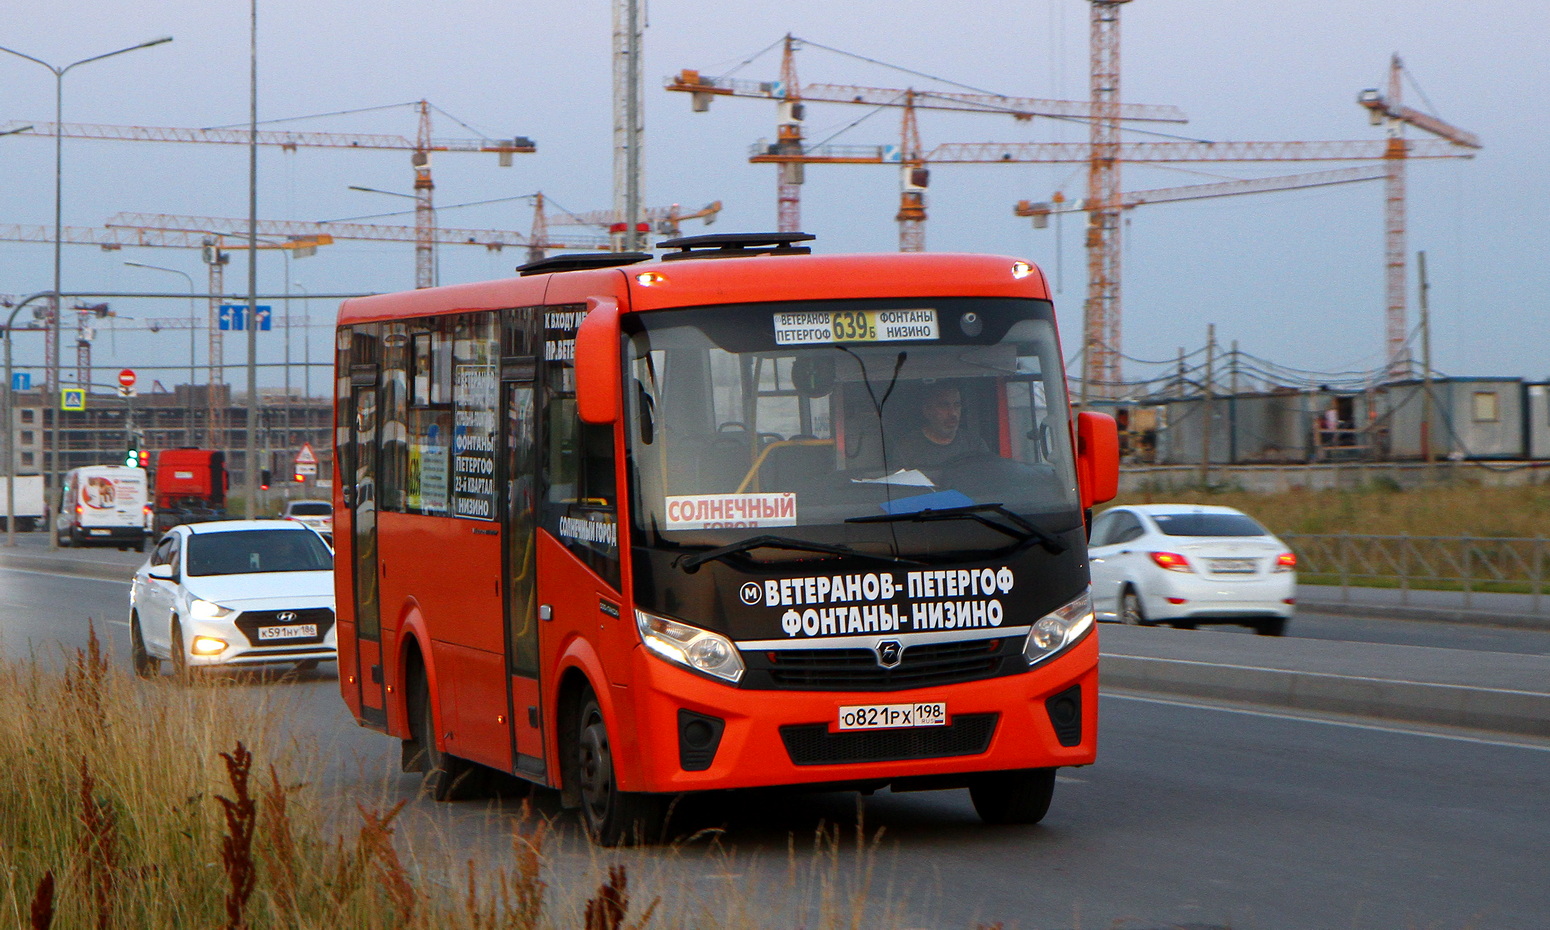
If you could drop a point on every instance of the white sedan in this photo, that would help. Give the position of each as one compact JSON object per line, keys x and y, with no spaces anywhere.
{"x":1187,"y":564}
{"x":233,"y":592}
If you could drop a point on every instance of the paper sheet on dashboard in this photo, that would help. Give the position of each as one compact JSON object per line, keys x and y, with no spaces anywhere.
{"x":908,"y":477}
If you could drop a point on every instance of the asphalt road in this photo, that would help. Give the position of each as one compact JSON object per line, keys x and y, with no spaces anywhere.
{"x":1195,"y":815}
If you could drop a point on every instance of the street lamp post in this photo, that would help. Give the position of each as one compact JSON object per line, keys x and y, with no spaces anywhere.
{"x":59,"y":163}
{"x":10,"y":449}
{"x":192,"y":334}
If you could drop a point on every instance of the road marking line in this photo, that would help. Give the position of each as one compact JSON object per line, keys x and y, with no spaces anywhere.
{"x":34,"y":571}
{"x":1403,"y":731}
{"x":1339,"y":675}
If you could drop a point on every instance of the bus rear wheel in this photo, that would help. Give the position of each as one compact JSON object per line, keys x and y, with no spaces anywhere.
{"x":612,"y":817}
{"x":1019,"y":797}
{"x":444,"y":777}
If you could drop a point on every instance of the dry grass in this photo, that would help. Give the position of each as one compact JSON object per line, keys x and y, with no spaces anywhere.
{"x":1449,"y":510}
{"x":128,"y":803}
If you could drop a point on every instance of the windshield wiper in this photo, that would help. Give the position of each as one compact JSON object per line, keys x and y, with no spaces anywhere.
{"x":1020,"y":530}
{"x":692,"y":563}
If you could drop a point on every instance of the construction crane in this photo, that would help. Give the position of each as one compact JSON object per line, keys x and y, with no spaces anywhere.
{"x":1389,"y":112}
{"x":791,"y":97}
{"x":420,"y":149}
{"x":665,"y":221}
{"x":215,"y":252}
{"x":1042,"y":211}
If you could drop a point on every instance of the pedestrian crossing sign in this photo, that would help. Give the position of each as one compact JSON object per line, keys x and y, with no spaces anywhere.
{"x":72,"y":399}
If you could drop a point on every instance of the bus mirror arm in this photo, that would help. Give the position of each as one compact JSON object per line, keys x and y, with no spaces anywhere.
{"x":598,"y":362}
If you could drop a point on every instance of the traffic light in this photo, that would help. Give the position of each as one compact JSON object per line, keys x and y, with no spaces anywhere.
{"x":263,"y":479}
{"x":145,"y":459}
{"x":299,"y":478}
{"x":132,"y":453}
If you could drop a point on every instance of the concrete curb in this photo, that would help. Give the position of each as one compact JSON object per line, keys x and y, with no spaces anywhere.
{"x":1520,"y":713}
{"x":1517,"y":621}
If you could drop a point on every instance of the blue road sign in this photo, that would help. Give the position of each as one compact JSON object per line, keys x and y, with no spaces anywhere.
{"x":234,"y":318}
{"x":21,"y":380}
{"x":73,"y":399}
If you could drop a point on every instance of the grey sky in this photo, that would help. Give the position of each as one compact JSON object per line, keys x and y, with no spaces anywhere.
{"x":1295,"y":277}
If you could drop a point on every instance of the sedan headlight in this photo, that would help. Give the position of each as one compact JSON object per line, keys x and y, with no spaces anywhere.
{"x":690,"y":646}
{"x":1059,"y":629}
{"x":208,"y":610}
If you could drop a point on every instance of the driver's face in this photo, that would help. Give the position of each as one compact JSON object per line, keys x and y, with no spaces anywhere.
{"x":942,"y":411}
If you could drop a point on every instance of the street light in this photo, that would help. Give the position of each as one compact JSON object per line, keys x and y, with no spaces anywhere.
{"x":192,"y":324}
{"x":59,"y":163}
{"x":10,"y":451}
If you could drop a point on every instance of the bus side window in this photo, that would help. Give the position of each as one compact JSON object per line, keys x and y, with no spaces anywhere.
{"x":580,"y":500}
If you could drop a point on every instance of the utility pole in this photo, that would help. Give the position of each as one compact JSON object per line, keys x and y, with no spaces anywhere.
{"x":1205,"y":426}
{"x":1426,"y":364}
{"x":250,"y":461}
{"x":629,"y":101}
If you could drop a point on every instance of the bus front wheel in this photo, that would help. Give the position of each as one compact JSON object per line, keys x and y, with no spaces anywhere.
{"x":1020,"y":797}
{"x":612,"y":817}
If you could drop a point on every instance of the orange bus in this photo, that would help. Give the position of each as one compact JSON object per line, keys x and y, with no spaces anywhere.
{"x":742,"y":516}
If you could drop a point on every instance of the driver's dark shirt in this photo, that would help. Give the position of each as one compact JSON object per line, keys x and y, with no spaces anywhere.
{"x":914,"y":450}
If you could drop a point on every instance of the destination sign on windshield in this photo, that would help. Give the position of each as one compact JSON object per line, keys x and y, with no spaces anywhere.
{"x":822,"y":327}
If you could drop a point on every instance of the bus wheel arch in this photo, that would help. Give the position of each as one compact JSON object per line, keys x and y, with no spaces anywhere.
{"x":444,"y":776}
{"x":612,"y":817}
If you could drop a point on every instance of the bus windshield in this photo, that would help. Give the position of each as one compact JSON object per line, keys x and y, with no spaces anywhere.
{"x":796,"y":419}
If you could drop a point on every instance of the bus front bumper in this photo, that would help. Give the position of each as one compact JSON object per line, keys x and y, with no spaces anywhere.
{"x":1042,"y":718}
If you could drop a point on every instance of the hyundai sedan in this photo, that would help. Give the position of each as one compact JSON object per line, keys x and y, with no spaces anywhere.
{"x":233,"y":592}
{"x":1187,"y":564}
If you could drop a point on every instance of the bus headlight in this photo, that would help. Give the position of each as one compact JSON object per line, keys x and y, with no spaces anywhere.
{"x":1059,"y":629}
{"x":690,"y":646}
{"x":208,"y":610}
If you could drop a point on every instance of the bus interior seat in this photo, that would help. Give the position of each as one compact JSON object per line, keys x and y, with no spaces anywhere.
{"x":790,"y":467}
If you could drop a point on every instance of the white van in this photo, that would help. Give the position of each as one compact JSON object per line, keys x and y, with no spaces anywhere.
{"x":104,"y":505}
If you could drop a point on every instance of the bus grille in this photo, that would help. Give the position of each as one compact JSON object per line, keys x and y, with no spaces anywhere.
{"x":857,"y":669}
{"x":813,"y":744}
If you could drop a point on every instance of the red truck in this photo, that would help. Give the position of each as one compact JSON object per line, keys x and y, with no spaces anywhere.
{"x":190,"y":487}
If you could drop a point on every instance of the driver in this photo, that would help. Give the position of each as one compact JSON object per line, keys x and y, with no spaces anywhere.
{"x":939,"y":439}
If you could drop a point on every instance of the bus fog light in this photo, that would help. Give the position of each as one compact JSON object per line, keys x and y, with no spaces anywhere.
{"x":690,"y":646}
{"x":1060,"y":629}
{"x":208,"y":646}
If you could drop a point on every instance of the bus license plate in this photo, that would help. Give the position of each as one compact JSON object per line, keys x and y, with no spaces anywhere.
{"x":893,"y":716}
{"x":295,"y":631}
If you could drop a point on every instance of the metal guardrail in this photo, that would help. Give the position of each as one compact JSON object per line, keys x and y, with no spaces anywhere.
{"x":1467,"y":564}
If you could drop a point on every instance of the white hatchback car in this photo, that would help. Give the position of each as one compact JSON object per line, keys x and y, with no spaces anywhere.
{"x":1187,"y":564}
{"x":233,"y":592}
{"x":317,"y":515}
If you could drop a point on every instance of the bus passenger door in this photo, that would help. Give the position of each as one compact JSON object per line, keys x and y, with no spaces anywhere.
{"x":518,"y":409}
{"x":363,"y":555}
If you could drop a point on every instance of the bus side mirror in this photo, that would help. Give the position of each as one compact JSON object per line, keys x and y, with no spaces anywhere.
{"x":597,"y":362}
{"x":1097,"y":458}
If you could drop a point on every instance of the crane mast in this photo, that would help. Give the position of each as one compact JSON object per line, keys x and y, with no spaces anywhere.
{"x":1101,"y":312}
{"x":1391,"y":113}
